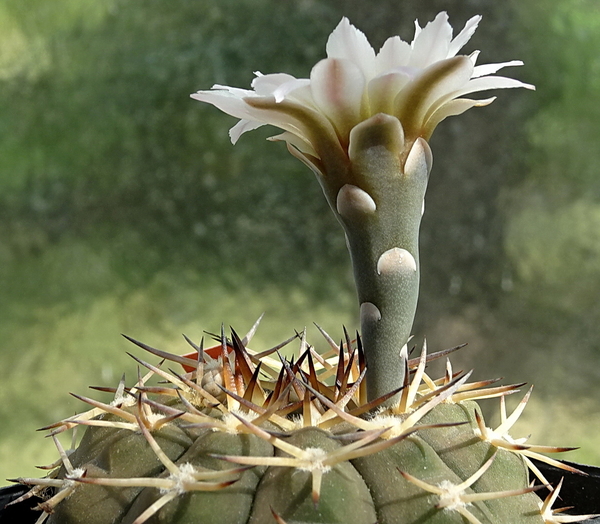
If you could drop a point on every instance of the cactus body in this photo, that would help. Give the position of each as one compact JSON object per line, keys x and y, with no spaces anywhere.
{"x":111,"y":452}
{"x":230,"y":505}
{"x":288,"y":442}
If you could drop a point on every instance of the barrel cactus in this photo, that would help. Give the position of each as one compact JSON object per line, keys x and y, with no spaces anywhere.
{"x":357,"y":434}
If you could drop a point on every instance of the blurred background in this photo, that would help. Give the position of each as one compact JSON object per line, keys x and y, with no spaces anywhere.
{"x":124,"y":208}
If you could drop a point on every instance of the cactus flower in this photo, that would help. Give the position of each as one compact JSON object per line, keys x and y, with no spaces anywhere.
{"x":361,"y":122}
{"x":420,"y":83}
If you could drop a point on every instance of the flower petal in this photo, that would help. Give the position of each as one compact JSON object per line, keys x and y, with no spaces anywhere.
{"x":235,"y":91}
{"x":266,"y":85}
{"x":475,"y":86}
{"x":233,"y":105}
{"x":337,"y":87}
{"x":297,"y":90}
{"x":228,"y":100}
{"x":490,"y":82}
{"x":383,"y":90}
{"x":349,"y":43}
{"x":452,"y":108}
{"x":490,"y":69}
{"x":300,"y":143}
{"x":429,"y":90}
{"x":312,"y":162}
{"x":242,"y":127}
{"x":309,"y":124}
{"x":431,"y":43}
{"x":394,"y":53}
{"x":464,"y":36}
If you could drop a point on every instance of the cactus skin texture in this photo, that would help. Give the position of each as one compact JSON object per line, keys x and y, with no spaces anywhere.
{"x":245,"y":438}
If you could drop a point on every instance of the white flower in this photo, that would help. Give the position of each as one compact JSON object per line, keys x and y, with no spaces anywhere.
{"x":420,"y":84}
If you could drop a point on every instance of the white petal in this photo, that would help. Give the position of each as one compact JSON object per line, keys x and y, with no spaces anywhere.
{"x":265,"y":85}
{"x":394,"y":53}
{"x":228,"y":101}
{"x":431,"y":44}
{"x":453,"y":108}
{"x":383,"y":90}
{"x":337,"y":87}
{"x":231,"y":101}
{"x":301,"y":120}
{"x":464,"y":36}
{"x":490,"y":82}
{"x":430,"y":89}
{"x":349,"y":43}
{"x":418,"y":30}
{"x":299,"y":142}
{"x":311,"y":162}
{"x":242,"y":127}
{"x":235,"y":91}
{"x":490,"y":69}
{"x":250,"y":117}
{"x":292,"y":86}
{"x":260,"y":118}
{"x":477,"y":85}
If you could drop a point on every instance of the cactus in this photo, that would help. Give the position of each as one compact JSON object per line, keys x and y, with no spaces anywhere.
{"x":361,"y":433}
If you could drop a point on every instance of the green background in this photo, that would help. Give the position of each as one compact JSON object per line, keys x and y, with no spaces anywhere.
{"x":124,"y":208}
